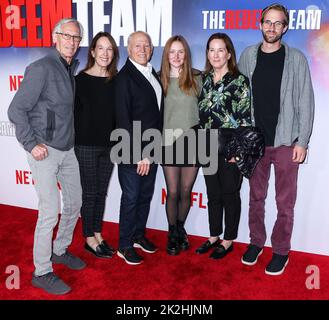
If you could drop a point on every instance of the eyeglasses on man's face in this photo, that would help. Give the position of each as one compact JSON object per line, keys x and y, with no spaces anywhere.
{"x":277,"y":24}
{"x":67,"y":36}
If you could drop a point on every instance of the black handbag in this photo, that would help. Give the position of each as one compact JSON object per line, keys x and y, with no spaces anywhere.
{"x":247,"y":145}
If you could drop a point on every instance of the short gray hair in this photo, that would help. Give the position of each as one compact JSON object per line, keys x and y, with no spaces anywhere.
{"x":58,"y":26}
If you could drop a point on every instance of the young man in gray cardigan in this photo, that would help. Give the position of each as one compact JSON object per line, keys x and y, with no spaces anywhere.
{"x":283,"y":108}
{"x":42,"y":111}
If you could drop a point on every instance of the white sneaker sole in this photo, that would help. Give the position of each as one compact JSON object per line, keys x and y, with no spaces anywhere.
{"x":251,"y":263}
{"x":279,"y":272}
{"x":131,"y":263}
{"x":137,"y":245}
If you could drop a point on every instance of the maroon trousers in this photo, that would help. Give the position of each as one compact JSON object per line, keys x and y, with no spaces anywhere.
{"x":286,"y":172}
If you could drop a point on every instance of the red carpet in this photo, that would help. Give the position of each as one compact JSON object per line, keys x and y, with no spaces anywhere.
{"x":187,"y":276}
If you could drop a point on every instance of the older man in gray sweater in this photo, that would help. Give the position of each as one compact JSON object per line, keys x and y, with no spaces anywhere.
{"x":283,"y":108}
{"x":42,"y":111}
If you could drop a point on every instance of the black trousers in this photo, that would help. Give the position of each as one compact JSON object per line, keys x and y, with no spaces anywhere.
{"x":95,"y":173}
{"x":223,"y":191}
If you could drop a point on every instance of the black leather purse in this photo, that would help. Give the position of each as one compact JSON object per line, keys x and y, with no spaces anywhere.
{"x":247,"y":145}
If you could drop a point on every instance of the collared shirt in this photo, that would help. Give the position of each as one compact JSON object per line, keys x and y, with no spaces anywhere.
{"x":225,"y":104}
{"x":147,"y":73}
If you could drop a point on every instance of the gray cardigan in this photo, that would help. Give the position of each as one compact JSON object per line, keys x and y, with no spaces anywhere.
{"x":42,"y":109}
{"x":296,"y":115}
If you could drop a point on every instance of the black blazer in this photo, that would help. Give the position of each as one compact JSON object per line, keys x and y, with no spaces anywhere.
{"x":135,"y":100}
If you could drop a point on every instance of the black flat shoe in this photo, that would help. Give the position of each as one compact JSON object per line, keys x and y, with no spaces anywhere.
{"x":206,"y":246}
{"x":107,"y":248}
{"x":99,"y":252}
{"x":220,"y":252}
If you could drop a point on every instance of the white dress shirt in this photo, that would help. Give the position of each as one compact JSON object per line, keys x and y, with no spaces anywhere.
{"x":147,"y":73}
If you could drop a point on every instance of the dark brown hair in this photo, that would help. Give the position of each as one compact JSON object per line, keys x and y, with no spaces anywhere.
{"x":186,"y":79}
{"x":278,"y":7}
{"x":112,"y":68}
{"x":232,"y":65}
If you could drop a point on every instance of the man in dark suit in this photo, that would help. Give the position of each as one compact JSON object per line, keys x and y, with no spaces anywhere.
{"x":138,"y":99}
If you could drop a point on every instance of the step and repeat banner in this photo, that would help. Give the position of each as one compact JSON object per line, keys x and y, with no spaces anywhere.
{"x":25,"y":35}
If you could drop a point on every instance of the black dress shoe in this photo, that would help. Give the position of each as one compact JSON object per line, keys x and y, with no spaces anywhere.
{"x":99,"y":252}
{"x":206,"y":246}
{"x":107,"y":248}
{"x":220,"y":252}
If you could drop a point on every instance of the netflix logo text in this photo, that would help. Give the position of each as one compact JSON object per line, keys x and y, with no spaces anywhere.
{"x":24,"y":177}
{"x":15,"y":82}
{"x":197,"y":199}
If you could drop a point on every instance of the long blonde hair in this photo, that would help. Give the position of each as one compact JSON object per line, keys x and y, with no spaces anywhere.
{"x":187,"y":82}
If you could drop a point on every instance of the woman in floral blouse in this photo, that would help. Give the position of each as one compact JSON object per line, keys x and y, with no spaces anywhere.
{"x":224,"y":103}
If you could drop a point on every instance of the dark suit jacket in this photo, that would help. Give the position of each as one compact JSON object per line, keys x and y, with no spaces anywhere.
{"x":135,"y":100}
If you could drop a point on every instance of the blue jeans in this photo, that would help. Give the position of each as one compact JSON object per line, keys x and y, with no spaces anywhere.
{"x":137,"y":192}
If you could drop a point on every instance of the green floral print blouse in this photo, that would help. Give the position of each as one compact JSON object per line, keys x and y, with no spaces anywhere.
{"x":225,"y":104}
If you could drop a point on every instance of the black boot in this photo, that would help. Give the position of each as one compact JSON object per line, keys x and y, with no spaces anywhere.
{"x":173,"y":247}
{"x":182,"y":236}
